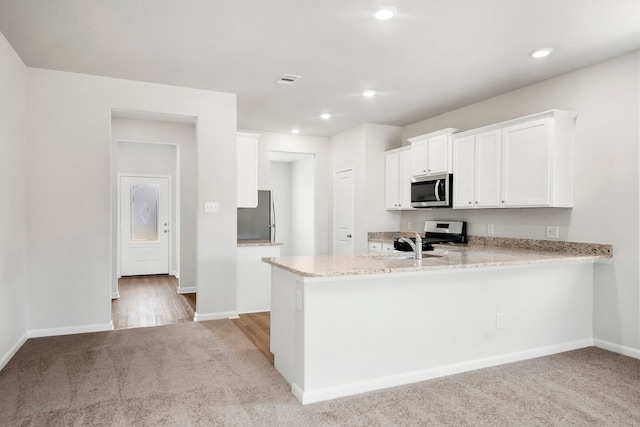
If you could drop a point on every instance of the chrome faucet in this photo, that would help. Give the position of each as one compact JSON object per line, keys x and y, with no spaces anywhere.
{"x":417,"y":246}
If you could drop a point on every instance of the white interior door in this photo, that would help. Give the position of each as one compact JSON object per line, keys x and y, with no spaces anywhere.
{"x":343,"y":212}
{"x":144,"y":225}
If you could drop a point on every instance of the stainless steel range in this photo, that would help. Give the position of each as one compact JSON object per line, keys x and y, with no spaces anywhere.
{"x":436,"y":232}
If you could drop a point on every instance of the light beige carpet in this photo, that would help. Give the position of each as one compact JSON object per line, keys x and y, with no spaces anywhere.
{"x":209,"y":374}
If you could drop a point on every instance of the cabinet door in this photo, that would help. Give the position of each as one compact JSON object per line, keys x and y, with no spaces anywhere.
{"x":463,"y":172}
{"x":487,"y":169}
{"x":247,"y":172}
{"x":404,"y":177}
{"x":438,"y":154}
{"x":526,"y":164}
{"x":419,"y":154}
{"x":392,"y":174}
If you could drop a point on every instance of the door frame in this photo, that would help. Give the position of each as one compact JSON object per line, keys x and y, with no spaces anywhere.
{"x":171,"y":206}
{"x":333,"y":203}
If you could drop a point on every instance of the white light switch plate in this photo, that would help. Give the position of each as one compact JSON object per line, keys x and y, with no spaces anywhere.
{"x":211,"y":207}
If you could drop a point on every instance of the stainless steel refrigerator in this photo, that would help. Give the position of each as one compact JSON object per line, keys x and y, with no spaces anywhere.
{"x":258,"y":223}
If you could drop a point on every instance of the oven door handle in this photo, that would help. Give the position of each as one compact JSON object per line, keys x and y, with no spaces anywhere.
{"x":438,"y":189}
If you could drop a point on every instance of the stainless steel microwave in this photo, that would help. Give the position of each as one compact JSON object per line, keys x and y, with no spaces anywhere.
{"x":432,"y":191}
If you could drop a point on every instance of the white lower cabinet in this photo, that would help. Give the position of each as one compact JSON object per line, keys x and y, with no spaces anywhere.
{"x":525,"y":162}
{"x":378,"y":247}
{"x":253,"y":278}
{"x":398,"y":179}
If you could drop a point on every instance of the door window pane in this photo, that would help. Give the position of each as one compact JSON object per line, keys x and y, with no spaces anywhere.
{"x":144,"y":212}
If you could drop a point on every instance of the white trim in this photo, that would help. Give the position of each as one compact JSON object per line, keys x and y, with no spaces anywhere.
{"x":70,"y":330}
{"x":427,"y":374}
{"x":115,"y":295}
{"x":13,"y":350}
{"x":617,"y":348}
{"x":215,"y":316}
{"x":187,"y":289}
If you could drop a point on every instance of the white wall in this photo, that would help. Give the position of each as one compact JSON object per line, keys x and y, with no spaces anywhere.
{"x":303,"y":207}
{"x":316,"y":145}
{"x":160,"y":159}
{"x":606,"y":181}
{"x":362,"y":149}
{"x":13,"y":186}
{"x":71,"y":171}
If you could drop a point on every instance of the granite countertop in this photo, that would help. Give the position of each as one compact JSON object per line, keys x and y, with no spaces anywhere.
{"x":258,"y":243}
{"x":478,"y":254}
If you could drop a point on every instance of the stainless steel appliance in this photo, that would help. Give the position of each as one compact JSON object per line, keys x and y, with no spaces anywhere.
{"x":437,"y":232}
{"x":432,"y":191}
{"x":258,"y":223}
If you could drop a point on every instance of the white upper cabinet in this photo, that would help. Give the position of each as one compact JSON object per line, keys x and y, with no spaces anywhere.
{"x":432,"y":152}
{"x":476,"y":170}
{"x":525,"y":162}
{"x":398,"y":178}
{"x":537,"y":162}
{"x":247,"y":170}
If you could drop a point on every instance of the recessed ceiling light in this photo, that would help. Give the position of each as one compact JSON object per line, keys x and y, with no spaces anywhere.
{"x":540,"y":53}
{"x":325,"y":116}
{"x":369,"y":93}
{"x":383,"y":13}
{"x":296,"y":131}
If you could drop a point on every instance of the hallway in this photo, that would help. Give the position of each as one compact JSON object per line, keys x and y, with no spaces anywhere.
{"x":151,"y":301}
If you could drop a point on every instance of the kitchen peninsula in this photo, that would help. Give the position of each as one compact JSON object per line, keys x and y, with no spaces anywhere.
{"x":342,"y":325}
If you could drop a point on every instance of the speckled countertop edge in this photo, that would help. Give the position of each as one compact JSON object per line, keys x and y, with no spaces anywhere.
{"x":479,"y":253}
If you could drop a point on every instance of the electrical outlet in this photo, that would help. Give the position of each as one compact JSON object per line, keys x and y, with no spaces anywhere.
{"x":499,"y":320}
{"x":553,"y":232}
{"x":489,"y":229}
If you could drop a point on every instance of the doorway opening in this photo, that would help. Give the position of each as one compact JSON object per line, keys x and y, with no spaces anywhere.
{"x":292,"y":183}
{"x":154,"y":211}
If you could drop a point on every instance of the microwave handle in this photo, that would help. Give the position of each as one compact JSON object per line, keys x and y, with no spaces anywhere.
{"x":438,"y":189}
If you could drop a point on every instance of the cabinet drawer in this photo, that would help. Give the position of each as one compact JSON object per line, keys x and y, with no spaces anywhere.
{"x":375,"y":247}
{"x":387,"y":248}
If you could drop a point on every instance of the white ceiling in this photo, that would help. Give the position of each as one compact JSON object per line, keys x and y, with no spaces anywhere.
{"x":433,"y":57}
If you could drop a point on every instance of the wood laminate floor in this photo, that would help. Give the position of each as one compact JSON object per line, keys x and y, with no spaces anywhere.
{"x":257,"y":327}
{"x":151,"y":301}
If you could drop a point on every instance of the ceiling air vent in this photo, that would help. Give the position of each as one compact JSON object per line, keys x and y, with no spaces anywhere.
{"x":287,"y":79}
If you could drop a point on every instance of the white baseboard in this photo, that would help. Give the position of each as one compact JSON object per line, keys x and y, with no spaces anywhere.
{"x":616,"y":348}
{"x":13,"y":350}
{"x":115,"y":295}
{"x":175,"y":274}
{"x":215,"y":316}
{"x":187,"y":289}
{"x":101,"y":327}
{"x":342,"y":390}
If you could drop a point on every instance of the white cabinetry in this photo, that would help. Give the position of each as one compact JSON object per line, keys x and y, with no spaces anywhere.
{"x":254,"y":278}
{"x":432,"y":152}
{"x":525,"y":162}
{"x":247,"y":170}
{"x":476,"y":170}
{"x":398,"y":178}
{"x":378,"y":247}
{"x":537,"y":162}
